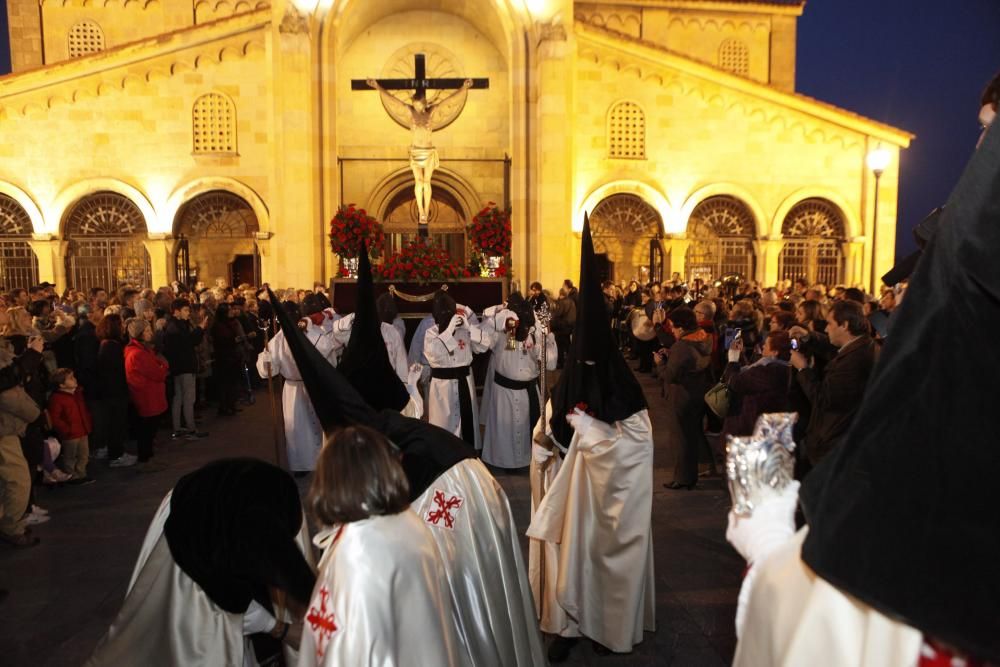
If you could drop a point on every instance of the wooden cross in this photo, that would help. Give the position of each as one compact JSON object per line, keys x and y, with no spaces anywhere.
{"x":419,"y":84}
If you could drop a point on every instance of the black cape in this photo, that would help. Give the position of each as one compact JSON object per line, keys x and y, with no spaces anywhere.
{"x":232,"y":529}
{"x":608,"y":387}
{"x":903,"y":515}
{"x":427,"y":450}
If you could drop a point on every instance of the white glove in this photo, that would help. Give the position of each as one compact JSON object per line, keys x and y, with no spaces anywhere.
{"x":541,"y":454}
{"x":456,"y":321}
{"x":771,"y":525}
{"x":265,"y":358}
{"x":580,"y":421}
{"x":492,"y":310}
{"x":413,"y":376}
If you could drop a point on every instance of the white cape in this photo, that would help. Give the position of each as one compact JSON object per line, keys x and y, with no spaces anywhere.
{"x":598,"y":511}
{"x":167,"y":619}
{"x":380,"y":599}
{"x":797,"y":618}
{"x":470,"y":519}
{"x":303,"y":433}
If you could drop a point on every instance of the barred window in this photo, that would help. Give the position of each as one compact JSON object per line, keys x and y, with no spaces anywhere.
{"x":213,"y":121}
{"x":85,"y":37}
{"x":721,"y":231}
{"x":813,"y":230}
{"x":734,"y":56}
{"x":627,"y":131}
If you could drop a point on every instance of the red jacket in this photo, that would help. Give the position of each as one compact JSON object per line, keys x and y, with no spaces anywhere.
{"x":146,"y":374}
{"x":69,"y":415}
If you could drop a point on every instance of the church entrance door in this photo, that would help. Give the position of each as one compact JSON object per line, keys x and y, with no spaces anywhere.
{"x":216,"y":232}
{"x":445,"y":225}
{"x":105,"y":231}
{"x":627,"y":230}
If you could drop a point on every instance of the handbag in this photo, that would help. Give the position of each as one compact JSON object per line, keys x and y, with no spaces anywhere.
{"x":717,"y":399}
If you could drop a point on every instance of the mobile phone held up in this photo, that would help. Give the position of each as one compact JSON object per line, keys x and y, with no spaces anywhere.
{"x":795,"y":344}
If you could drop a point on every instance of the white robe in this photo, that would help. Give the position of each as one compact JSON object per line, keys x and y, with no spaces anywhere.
{"x":303,"y":433}
{"x":598,"y":511}
{"x":506,"y":412}
{"x":390,"y":335}
{"x":797,"y":618}
{"x":167,"y":618}
{"x":380,"y":599}
{"x":470,"y":520}
{"x":329,"y":317}
{"x":452,"y":351}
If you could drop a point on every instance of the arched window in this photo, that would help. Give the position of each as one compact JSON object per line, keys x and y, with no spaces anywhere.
{"x":627,"y":232}
{"x":18,"y":264}
{"x":627,"y":131}
{"x":213,"y":124}
{"x":814,"y":235}
{"x":721,"y":231}
{"x":85,"y":37}
{"x":106,"y":231}
{"x":734,"y":56}
{"x":216,"y":239}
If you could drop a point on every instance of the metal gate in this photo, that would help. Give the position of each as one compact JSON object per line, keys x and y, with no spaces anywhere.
{"x":108,"y":263}
{"x":721,"y":233}
{"x":18,"y":265}
{"x":814,"y":232}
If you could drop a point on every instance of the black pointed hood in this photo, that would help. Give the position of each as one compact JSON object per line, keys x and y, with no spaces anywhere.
{"x":365,"y":363}
{"x":428,"y":450}
{"x":902,"y":514}
{"x":595,"y":373}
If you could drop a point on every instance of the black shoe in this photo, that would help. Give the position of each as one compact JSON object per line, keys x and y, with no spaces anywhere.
{"x":673,"y":486}
{"x":81,"y":481}
{"x":560,"y":647}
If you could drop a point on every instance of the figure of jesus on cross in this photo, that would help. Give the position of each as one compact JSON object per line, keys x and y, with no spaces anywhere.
{"x":423,"y":155}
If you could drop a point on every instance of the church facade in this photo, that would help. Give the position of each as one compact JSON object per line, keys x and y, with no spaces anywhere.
{"x":147,"y":140}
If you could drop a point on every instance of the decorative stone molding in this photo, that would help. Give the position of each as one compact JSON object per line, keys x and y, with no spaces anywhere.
{"x":551,"y":31}
{"x":294,"y":22}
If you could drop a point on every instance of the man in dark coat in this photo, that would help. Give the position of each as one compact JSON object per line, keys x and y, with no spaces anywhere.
{"x":836,"y":394}
{"x":180,"y":338}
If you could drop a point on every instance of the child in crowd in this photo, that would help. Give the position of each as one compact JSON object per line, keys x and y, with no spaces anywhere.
{"x":72,"y":424}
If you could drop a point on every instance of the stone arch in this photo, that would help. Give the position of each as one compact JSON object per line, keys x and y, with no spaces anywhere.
{"x":66,"y":199}
{"x":217,"y":232}
{"x":627,"y":230}
{"x":646,"y":192}
{"x":384,"y":192}
{"x":730,"y":190}
{"x":720,"y":232}
{"x":852,"y":223}
{"x":813,"y":231}
{"x":200,"y":186}
{"x":27,"y":203}
{"x":105,"y":231}
{"x":18,"y":263}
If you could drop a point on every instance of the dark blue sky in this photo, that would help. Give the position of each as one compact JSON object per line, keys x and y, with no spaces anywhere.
{"x":916,"y":64}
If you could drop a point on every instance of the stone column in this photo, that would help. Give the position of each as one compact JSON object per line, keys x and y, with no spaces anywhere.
{"x":768,"y":250}
{"x":295,"y":209}
{"x":676,"y":247}
{"x":161,"y":259}
{"x":51,"y":254}
{"x":854,"y":262}
{"x":556,"y":254}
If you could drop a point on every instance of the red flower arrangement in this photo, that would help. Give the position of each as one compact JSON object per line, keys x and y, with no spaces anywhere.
{"x":352,"y":225}
{"x":420,"y":261}
{"x":489,"y":232}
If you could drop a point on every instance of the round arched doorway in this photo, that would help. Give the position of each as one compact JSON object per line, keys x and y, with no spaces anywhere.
{"x":446,"y":222}
{"x":627,"y":233}
{"x":18,"y":264}
{"x":721,"y":231}
{"x":215,"y":234}
{"x":813,"y":234}
{"x":106,"y":231}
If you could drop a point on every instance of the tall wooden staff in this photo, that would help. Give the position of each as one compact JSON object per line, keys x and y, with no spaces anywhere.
{"x":276,"y":430}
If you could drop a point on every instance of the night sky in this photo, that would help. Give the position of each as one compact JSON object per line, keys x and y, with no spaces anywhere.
{"x":916,"y":64}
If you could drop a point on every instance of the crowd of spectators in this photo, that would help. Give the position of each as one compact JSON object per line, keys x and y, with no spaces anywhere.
{"x":95,"y":378}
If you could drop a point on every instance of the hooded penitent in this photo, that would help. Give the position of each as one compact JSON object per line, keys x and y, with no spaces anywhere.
{"x":525,"y":315}
{"x":427,"y":450}
{"x":443,"y":309}
{"x":385,"y":304}
{"x":232,"y":529}
{"x":365,"y":363}
{"x":596,"y":373}
{"x":903,"y":514}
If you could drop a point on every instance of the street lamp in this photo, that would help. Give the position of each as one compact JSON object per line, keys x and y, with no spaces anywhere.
{"x":877,"y":160}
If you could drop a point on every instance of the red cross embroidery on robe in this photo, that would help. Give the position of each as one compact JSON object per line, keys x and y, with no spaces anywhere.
{"x":442,"y":512}
{"x":321,"y":622}
{"x":461,"y":344}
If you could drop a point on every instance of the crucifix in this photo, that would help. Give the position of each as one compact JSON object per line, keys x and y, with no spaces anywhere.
{"x":423,"y":156}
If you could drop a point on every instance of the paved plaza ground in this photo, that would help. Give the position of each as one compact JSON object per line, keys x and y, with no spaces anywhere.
{"x":65,"y":592}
